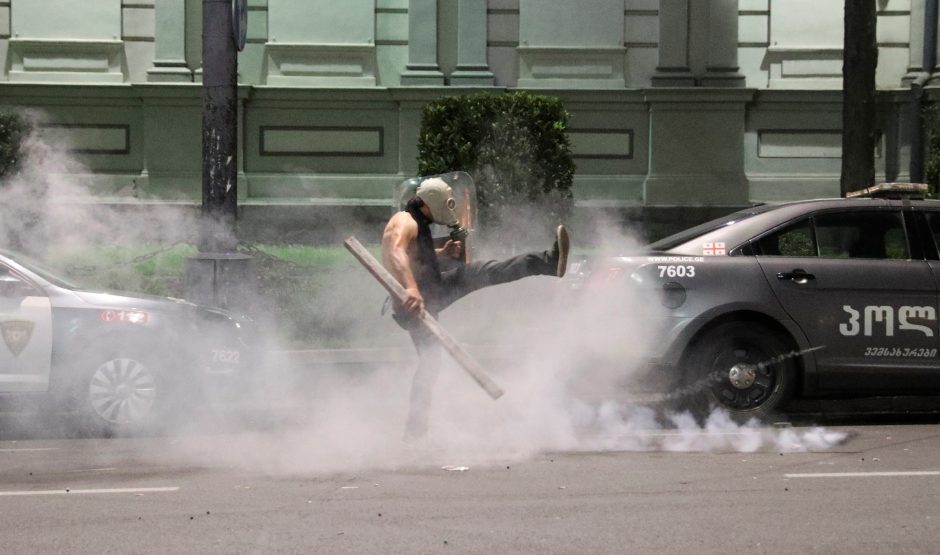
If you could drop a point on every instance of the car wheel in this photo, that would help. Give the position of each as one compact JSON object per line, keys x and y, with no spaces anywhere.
{"x":120,"y":395}
{"x":741,"y":367}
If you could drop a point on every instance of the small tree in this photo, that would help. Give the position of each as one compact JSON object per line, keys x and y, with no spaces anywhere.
{"x":514,"y":146}
{"x":13,"y":131}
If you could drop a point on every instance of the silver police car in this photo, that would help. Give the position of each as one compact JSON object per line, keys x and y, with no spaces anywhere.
{"x":810,"y":299}
{"x":120,"y":361}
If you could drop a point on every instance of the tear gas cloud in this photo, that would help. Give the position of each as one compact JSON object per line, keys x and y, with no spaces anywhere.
{"x":564,"y":359}
{"x":49,"y":204}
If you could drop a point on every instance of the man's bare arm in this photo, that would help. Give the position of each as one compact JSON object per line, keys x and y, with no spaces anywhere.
{"x":398,"y":242}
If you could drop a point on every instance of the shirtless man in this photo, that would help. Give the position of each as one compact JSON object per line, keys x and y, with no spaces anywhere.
{"x":408,"y":252}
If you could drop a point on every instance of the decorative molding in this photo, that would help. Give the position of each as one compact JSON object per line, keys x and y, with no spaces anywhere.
{"x":320,"y":65}
{"x":673,"y":77}
{"x":169,"y":72}
{"x":298,"y":188}
{"x":472,"y":76}
{"x":418,"y":75}
{"x":601,"y":144}
{"x":86,"y":61}
{"x":576,"y":67}
{"x":285,"y":140}
{"x":805,"y":67}
{"x":89,"y":138}
{"x":804,"y":143}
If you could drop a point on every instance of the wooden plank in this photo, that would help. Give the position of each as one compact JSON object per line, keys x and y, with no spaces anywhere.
{"x":397,"y":292}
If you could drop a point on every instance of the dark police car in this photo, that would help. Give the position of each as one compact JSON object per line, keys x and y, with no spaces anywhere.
{"x":121,"y":361}
{"x":816,"y":298}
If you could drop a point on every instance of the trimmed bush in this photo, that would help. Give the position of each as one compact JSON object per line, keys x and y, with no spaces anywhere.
{"x":13,"y":130}
{"x":514,"y":145}
{"x":932,"y":165}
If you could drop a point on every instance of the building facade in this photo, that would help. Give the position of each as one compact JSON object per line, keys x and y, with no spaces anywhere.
{"x":674,"y":103}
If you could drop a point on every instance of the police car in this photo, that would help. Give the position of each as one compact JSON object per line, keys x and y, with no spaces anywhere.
{"x":121,"y":362}
{"x":815,"y":298}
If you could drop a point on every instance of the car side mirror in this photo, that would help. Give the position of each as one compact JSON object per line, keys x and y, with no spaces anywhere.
{"x":13,"y":288}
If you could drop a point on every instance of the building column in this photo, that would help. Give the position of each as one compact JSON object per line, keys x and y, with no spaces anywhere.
{"x":65,"y":42}
{"x":555,"y":53}
{"x":422,"y":68}
{"x":916,"y":59}
{"x":696,"y":147}
{"x":320,"y":43}
{"x":721,"y":69}
{"x":935,"y":70}
{"x":472,"y":69}
{"x":802,"y":52}
{"x":673,"y":69}
{"x":169,"y":63}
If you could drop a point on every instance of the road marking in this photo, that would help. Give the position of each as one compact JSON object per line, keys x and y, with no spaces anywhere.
{"x":86,"y":491}
{"x":864,"y":474}
{"x":28,"y":449}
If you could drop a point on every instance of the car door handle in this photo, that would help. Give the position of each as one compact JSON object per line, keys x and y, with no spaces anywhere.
{"x":797,"y":276}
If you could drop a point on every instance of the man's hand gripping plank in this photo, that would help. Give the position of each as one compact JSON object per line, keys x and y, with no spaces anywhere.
{"x":398,"y":292}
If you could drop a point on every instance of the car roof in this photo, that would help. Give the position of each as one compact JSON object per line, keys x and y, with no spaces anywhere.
{"x":737,"y":228}
{"x":34,"y":269}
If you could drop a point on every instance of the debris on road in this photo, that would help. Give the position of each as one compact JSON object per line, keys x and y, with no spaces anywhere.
{"x":455,"y":468}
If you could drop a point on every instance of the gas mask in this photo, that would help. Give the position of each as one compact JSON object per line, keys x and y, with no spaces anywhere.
{"x":439,"y":198}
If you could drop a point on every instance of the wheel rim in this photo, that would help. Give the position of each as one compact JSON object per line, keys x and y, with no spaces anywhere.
{"x":745,"y":380}
{"x":122,"y":391}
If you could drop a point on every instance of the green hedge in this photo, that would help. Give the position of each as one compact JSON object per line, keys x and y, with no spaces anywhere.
{"x":514,"y":145}
{"x":13,"y":129}
{"x":932,"y":165}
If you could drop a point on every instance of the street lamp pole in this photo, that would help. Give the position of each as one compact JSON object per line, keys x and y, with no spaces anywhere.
{"x":219,"y":128}
{"x":219,"y":275}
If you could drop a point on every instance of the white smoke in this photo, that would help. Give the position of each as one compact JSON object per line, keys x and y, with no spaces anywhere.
{"x":563,"y":359}
{"x":54,"y":202}
{"x":565,"y":363}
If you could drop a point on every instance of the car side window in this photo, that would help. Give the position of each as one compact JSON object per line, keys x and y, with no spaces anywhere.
{"x":851,"y":234}
{"x":933,"y":221}
{"x":861,"y":234}
{"x":13,"y":286}
{"x":794,"y":240}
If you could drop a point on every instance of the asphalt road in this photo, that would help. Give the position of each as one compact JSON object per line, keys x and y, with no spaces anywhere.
{"x":874,"y":492}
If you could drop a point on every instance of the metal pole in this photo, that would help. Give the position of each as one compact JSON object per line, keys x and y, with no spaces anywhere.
{"x":219,"y":128}
{"x":219,"y":275}
{"x":929,"y":60}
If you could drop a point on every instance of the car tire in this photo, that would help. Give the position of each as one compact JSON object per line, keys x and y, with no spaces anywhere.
{"x":743,"y":368}
{"x":121,"y":394}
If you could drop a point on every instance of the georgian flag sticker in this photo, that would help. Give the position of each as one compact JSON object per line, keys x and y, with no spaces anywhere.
{"x":713,"y":249}
{"x":16,"y":334}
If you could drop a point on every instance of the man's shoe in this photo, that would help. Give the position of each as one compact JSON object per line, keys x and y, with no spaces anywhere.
{"x":560,"y":250}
